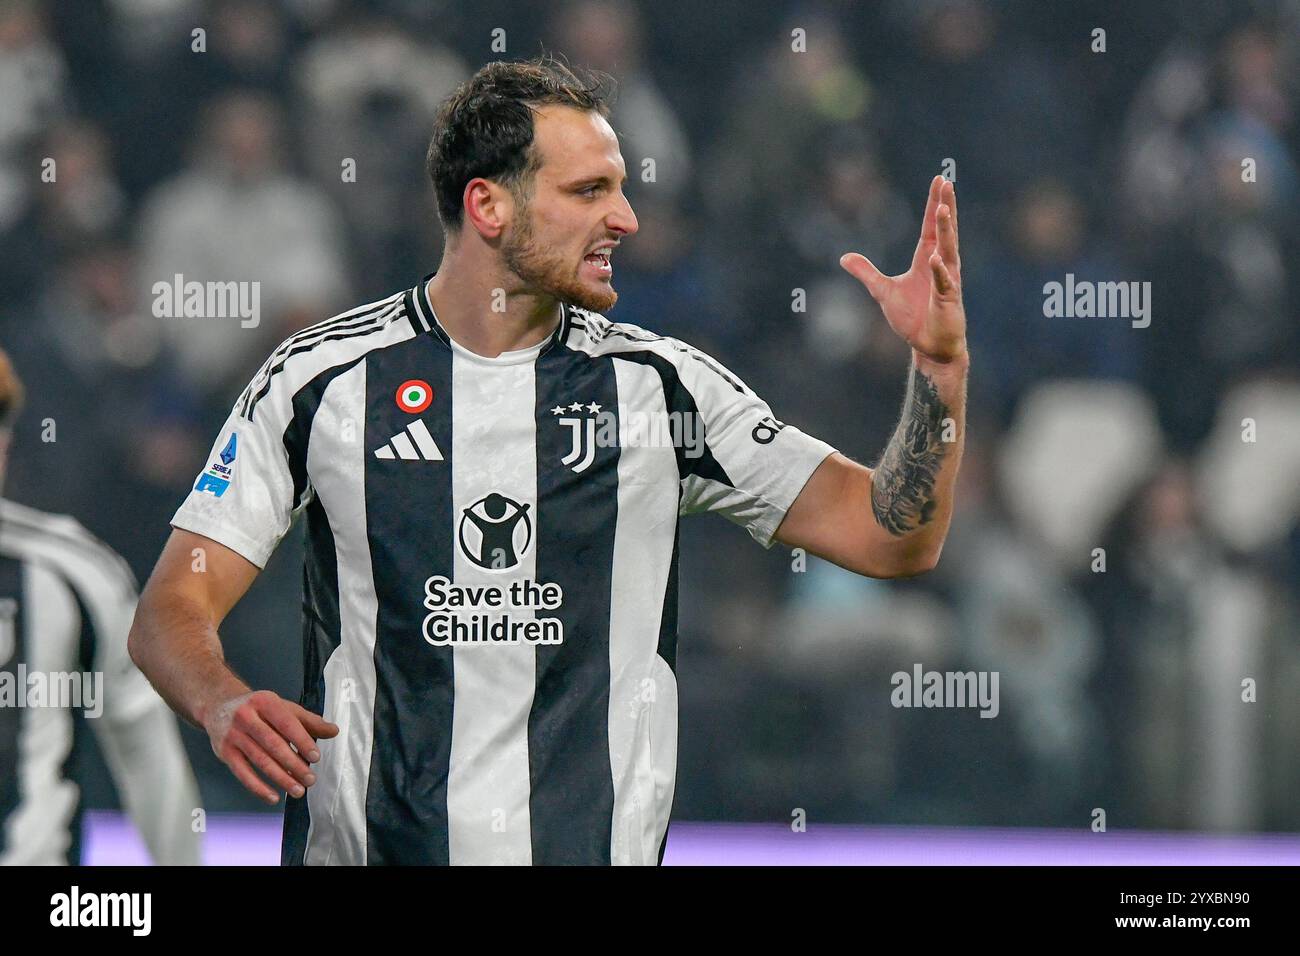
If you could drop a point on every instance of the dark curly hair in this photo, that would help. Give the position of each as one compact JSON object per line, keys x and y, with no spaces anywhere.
{"x":485,"y":128}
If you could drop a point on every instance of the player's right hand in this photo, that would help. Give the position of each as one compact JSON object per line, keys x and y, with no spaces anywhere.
{"x":262,"y":730}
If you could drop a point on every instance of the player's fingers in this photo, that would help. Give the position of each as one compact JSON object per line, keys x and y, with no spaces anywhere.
{"x":931,"y":206}
{"x":948,"y":195}
{"x":277,"y":748}
{"x":284,"y":721}
{"x":948,"y":236}
{"x":239,"y":766}
{"x":862,"y":269}
{"x":266,"y":764}
{"x":943,"y":283}
{"x":928,"y":225}
{"x":316,"y":725}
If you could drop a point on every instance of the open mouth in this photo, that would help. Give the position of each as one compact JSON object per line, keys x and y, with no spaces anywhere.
{"x":598,"y":261}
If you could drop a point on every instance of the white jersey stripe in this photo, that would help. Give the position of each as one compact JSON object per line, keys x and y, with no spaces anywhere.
{"x":640,"y":698}
{"x":493,"y":450}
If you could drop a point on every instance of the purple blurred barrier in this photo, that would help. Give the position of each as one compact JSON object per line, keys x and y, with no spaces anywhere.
{"x":254,"y":840}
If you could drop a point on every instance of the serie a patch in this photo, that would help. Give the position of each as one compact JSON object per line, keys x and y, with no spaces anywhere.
{"x":217,"y":478}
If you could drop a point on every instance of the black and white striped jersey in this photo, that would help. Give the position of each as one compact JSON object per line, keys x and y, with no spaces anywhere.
{"x":491,"y":572}
{"x":66,"y":603}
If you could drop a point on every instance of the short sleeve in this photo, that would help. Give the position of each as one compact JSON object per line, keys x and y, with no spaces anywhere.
{"x":752,"y":466}
{"x":245,"y":496}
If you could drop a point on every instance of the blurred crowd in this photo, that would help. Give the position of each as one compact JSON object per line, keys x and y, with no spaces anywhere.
{"x":1126,"y":551}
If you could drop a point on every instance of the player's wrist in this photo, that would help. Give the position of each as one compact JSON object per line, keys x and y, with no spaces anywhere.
{"x":949,"y":360}
{"x":213,"y":701}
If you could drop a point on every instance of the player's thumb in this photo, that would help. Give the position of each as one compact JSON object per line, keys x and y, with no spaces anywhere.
{"x":862,"y":269}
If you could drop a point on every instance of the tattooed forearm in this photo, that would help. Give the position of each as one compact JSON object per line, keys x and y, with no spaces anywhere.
{"x":902,"y":488}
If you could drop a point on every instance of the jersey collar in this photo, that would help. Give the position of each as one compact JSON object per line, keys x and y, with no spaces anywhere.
{"x":420,"y":312}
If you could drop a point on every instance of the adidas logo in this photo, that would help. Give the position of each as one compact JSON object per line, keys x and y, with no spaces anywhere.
{"x":413,"y":443}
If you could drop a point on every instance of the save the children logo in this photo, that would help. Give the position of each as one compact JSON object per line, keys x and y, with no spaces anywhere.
{"x":495,"y":532}
{"x":492,"y":614}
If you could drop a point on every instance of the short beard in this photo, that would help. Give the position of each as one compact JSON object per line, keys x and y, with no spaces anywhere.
{"x":547,"y":271}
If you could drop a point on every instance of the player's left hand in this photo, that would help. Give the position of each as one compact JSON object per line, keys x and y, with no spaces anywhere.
{"x":923,"y":305}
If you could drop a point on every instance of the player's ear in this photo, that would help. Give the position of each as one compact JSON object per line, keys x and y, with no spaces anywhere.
{"x":487,"y":207}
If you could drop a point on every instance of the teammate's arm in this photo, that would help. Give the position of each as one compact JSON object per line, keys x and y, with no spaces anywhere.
{"x":175,"y":644}
{"x":891,"y":521}
{"x":137,"y":733}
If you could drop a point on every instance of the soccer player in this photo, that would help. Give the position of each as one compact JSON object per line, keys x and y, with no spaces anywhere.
{"x":492,"y":473}
{"x":66,"y":601}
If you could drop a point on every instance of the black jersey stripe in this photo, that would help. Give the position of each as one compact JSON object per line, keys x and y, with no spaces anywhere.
{"x":322,"y":631}
{"x":76,"y":756}
{"x":678,"y":398}
{"x":297,"y":434}
{"x":571,"y":800}
{"x":406,"y":801}
{"x":321,"y":637}
{"x":561,"y":332}
{"x":13,"y":651}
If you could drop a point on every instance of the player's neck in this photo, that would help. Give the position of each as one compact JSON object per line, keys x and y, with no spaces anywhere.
{"x":480,"y":313}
